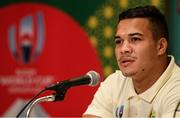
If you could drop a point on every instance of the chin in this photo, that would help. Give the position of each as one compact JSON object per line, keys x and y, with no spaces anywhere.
{"x":128,"y":74}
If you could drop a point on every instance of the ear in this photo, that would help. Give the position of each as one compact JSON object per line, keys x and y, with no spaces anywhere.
{"x":162,"y":46}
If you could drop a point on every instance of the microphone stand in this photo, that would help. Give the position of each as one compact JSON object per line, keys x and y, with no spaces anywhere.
{"x":58,"y":96}
{"x":41,"y":99}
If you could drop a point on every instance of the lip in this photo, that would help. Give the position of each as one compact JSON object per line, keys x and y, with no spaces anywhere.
{"x":126,"y":61}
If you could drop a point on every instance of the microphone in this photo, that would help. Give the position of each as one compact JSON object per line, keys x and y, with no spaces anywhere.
{"x":91,"y":78}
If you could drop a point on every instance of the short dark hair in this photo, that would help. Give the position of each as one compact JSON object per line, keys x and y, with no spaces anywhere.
{"x":157,"y":19}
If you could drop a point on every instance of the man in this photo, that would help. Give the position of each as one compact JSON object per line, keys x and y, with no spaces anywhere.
{"x":148,"y":83}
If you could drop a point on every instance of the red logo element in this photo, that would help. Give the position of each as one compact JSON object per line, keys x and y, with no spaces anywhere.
{"x":25,"y":44}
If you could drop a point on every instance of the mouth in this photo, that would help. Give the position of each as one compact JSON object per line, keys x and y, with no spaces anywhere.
{"x":126,"y":61}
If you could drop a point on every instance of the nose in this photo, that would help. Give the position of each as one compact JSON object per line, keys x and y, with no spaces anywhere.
{"x":126,"y":47}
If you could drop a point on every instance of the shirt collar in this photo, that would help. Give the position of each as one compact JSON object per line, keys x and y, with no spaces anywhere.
{"x":150,"y":93}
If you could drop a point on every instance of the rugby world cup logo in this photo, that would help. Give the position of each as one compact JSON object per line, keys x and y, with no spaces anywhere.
{"x":26,"y":38}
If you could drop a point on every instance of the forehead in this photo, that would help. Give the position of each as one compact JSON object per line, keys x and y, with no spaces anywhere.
{"x":139,"y":25}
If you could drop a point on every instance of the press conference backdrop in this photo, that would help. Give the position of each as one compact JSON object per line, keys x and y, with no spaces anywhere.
{"x":43,"y":41}
{"x":174,"y":28}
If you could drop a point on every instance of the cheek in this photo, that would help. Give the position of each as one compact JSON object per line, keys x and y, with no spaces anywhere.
{"x":146,"y":56}
{"x":145,"y":50}
{"x":116,"y":52}
{"x":143,"y":54}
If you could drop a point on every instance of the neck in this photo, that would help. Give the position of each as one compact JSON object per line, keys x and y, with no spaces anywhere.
{"x":145,"y":81}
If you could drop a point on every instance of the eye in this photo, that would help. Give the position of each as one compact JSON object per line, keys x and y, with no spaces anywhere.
{"x":118,"y":40}
{"x":135,"y":39}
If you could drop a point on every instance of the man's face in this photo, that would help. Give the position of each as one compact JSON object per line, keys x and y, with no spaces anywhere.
{"x":136,"y":51}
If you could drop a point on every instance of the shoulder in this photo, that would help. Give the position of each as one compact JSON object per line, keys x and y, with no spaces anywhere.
{"x":170,"y":94}
{"x":174,"y":81}
{"x":116,"y":76}
{"x":172,"y":86}
{"x":115,"y":80}
{"x":177,"y":72}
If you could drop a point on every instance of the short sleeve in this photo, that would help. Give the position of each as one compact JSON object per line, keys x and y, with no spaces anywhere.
{"x":101,"y":104}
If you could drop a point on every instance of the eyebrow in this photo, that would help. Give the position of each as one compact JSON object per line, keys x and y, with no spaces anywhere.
{"x":117,"y":37}
{"x":136,"y":33}
{"x":131,"y":34}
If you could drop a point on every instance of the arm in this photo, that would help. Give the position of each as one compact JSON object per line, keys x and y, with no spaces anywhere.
{"x":101,"y":104}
